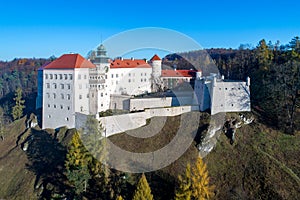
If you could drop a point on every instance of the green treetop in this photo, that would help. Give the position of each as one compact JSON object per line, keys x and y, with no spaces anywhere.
{"x":17,"y":110}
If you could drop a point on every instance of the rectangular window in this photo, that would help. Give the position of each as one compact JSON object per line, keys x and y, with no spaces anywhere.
{"x":84,"y":76}
{"x":80,"y":96}
{"x":62,"y":86}
{"x":55,"y":76}
{"x":101,"y":94}
{"x":68,"y":96}
{"x":51,"y":76}
{"x":117,"y":75}
{"x":48,"y":85}
{"x":66,"y":76}
{"x":112,"y":76}
{"x":54,"y":86}
{"x":60,"y":76}
{"x":70,"y":76}
{"x":69,"y":86}
{"x":79,"y":76}
{"x":46,"y":76}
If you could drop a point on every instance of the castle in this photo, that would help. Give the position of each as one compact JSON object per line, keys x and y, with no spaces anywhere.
{"x":72,"y":84}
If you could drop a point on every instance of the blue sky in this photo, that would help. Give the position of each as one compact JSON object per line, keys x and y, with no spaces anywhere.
{"x":44,"y":28}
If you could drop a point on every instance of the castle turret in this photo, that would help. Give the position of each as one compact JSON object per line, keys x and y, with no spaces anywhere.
{"x":156,"y":66}
{"x":155,"y":62}
{"x":99,"y":93}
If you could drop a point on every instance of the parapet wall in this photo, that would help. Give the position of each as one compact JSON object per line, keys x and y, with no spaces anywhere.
{"x":122,"y":123}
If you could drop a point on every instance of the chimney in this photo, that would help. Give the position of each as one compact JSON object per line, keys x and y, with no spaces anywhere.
{"x":248,"y":81}
{"x":132,"y":58}
{"x":175,"y":67}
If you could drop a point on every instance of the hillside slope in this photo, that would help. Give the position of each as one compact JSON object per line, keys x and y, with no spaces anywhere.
{"x":262,"y":164}
{"x":16,"y":182}
{"x":28,"y":174}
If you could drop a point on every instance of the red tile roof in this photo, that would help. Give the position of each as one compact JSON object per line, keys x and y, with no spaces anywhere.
{"x":178,"y":73}
{"x":155,"y":57}
{"x":70,"y":61}
{"x":129,"y":63}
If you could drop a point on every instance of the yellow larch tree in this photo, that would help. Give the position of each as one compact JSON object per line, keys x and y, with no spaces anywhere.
{"x":143,"y":190}
{"x":184,"y":192}
{"x":201,"y":189}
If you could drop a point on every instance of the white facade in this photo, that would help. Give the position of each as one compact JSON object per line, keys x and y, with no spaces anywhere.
{"x":130,"y":81}
{"x":58,"y":98}
{"x":220,"y":95}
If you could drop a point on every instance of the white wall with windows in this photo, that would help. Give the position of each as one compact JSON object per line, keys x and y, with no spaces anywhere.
{"x":58,"y":98}
{"x":81,"y":90}
{"x":130,"y":81}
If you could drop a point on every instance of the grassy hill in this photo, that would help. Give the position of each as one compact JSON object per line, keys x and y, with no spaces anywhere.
{"x":16,"y":182}
{"x":262,"y":163}
{"x":26,"y":174}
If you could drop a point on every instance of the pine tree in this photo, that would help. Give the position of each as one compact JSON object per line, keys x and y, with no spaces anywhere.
{"x":143,"y":190}
{"x":184,"y":191}
{"x":119,"y":198}
{"x":77,"y":165}
{"x":96,"y":144}
{"x":201,"y":189}
{"x":17,"y":110}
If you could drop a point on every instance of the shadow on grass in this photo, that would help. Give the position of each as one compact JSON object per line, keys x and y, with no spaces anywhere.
{"x":47,"y":157}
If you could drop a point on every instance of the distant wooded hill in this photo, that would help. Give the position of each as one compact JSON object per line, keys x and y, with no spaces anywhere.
{"x":19,"y":73}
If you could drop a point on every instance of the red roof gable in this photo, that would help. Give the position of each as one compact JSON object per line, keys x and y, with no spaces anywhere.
{"x":155,"y":57}
{"x":70,"y":61}
{"x":129,"y":63}
{"x":178,"y":73}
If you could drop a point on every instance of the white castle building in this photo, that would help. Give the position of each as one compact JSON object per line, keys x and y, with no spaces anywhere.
{"x":221,"y":95}
{"x":72,"y":84}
